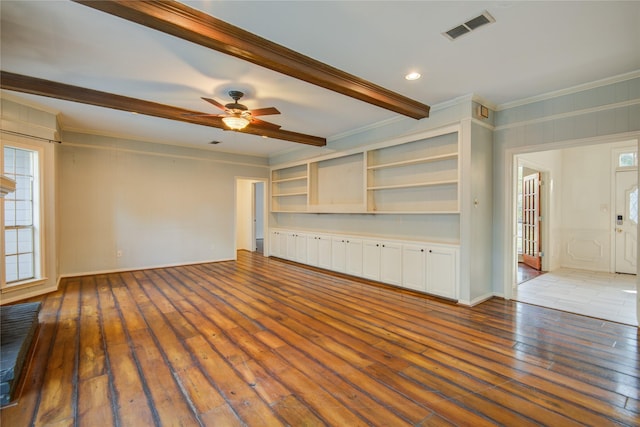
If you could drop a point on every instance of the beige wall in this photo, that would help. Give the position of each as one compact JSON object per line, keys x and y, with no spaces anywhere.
{"x":129,"y":205}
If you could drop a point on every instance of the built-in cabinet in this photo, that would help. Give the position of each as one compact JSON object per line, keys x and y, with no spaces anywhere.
{"x":422,"y":266}
{"x":382,"y":261}
{"x":429,"y":268}
{"x":406,"y":176}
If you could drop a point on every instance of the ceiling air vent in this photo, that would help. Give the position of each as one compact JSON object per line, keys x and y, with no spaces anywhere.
{"x":470,"y":25}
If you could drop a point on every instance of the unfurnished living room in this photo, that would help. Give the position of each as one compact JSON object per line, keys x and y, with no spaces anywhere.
{"x":319,"y":213}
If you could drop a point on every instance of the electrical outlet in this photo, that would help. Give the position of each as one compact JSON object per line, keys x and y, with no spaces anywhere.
{"x":118,"y":253}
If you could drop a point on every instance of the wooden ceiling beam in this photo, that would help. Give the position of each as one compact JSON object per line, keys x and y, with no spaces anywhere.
{"x":182,"y":21}
{"x":36,"y":86}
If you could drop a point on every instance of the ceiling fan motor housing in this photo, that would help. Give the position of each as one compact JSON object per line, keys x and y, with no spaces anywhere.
{"x":236,"y":95}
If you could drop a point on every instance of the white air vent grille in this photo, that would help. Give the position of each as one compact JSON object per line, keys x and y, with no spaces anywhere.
{"x":470,"y":25}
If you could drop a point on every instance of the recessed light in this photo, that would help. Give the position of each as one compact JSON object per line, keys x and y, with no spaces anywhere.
{"x":412,"y":76}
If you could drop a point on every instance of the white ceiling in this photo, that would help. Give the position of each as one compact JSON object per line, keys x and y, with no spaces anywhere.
{"x":531,"y":49}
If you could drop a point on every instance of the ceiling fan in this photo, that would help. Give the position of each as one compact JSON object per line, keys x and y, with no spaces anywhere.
{"x":237,"y":116}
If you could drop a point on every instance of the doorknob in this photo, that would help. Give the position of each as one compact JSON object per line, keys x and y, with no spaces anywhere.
{"x":619,"y":230}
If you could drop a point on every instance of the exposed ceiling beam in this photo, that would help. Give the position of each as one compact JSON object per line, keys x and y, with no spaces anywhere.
{"x":36,"y":86}
{"x":190,"y":24}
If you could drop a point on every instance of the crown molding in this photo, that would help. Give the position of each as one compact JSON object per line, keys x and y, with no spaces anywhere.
{"x":567,"y":91}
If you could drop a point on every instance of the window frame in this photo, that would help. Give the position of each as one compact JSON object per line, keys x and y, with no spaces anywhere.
{"x":38,"y":220}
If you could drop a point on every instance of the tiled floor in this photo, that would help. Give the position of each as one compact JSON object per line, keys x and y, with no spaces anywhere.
{"x":602,"y":295}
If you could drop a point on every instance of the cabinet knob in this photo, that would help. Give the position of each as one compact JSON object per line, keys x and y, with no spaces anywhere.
{"x":377,"y":245}
{"x":430,"y":251}
{"x":421,"y":250}
{"x":383,"y":246}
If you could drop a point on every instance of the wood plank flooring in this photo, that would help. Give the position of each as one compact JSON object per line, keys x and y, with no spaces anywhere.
{"x":263,"y":342}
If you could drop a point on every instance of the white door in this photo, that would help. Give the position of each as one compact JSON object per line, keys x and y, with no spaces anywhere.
{"x":339,"y":254}
{"x":312,"y":250}
{"x":626,"y":221}
{"x":371,"y":260}
{"x":391,"y":263}
{"x":354,"y":257}
{"x":413,"y":267}
{"x":301,"y":248}
{"x":274,"y":244}
{"x":441,"y":271}
{"x":324,"y":252}
{"x":290,"y":252}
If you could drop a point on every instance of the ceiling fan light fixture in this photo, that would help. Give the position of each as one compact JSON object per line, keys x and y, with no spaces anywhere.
{"x":412,"y":76}
{"x":235,"y":122}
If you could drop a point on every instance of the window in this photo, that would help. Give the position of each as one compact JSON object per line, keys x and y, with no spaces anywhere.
{"x":628,"y":159}
{"x":21,"y":216}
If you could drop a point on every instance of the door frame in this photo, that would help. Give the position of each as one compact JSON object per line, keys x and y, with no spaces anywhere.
{"x":615,"y":152}
{"x":265,"y":212}
{"x":508,"y":232}
{"x":545,"y":212}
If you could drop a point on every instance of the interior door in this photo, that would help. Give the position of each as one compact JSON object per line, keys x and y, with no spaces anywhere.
{"x":531,"y":221}
{"x":626,"y":221}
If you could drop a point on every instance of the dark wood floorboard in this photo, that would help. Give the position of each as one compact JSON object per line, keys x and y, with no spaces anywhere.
{"x":263,"y":342}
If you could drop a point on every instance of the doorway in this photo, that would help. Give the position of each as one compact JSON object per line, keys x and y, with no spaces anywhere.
{"x":258,"y":216}
{"x":251,"y":212}
{"x":587,"y":194}
{"x":532,"y":216}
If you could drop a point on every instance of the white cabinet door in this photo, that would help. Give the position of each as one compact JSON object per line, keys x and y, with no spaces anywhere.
{"x":278,"y":244}
{"x":301,"y":248}
{"x":391,"y":263}
{"x":313,"y":245}
{"x":354,"y":257}
{"x":324,"y":252}
{"x":290,"y":250}
{"x":339,"y":254}
{"x":413,"y":267}
{"x":371,"y":259}
{"x":274,"y":243}
{"x":441,"y":271}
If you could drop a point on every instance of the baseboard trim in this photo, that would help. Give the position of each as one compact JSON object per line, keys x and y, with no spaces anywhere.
{"x":124,"y":270}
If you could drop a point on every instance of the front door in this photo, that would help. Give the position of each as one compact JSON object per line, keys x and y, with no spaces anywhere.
{"x":626,"y":221}
{"x":531,"y":221}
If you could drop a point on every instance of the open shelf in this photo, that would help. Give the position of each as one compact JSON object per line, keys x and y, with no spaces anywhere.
{"x":303,"y":193}
{"x":448,"y":156}
{"x":299,"y":178}
{"x":415,"y":184}
{"x":419,"y":176}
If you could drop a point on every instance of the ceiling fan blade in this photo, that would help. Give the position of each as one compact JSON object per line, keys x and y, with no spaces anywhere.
{"x":215,"y":103}
{"x":202,"y":115}
{"x":51,"y":89}
{"x":262,"y":123}
{"x":265,"y":111}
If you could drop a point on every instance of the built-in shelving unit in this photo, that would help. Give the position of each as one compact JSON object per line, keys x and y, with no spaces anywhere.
{"x":336,"y":184}
{"x":290,"y":189}
{"x":409,"y":176}
{"x":415,"y":177}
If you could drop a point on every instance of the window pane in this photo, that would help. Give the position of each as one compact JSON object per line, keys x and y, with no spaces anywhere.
{"x":25,"y":240}
{"x":10,"y":242}
{"x":627,"y":159}
{"x":9,"y":213}
{"x":24,"y":215}
{"x":25,"y":266}
{"x":9,"y":155}
{"x":633,"y":206}
{"x":23,"y":188}
{"x":23,"y":162}
{"x":11,"y":264}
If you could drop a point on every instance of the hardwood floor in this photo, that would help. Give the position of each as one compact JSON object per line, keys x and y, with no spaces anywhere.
{"x":262,"y":342}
